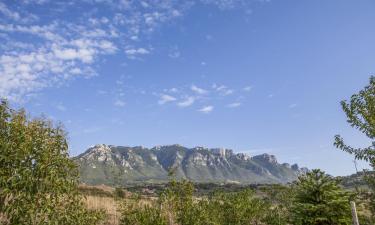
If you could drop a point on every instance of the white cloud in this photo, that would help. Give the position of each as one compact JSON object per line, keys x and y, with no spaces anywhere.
{"x":101,"y":92}
{"x":227,"y":92}
{"x":206,"y":109}
{"x":55,"y":62}
{"x":234,"y":105}
{"x":223,"y":90}
{"x":198,"y":90}
{"x":119,"y":103}
{"x":61,"y":107}
{"x":187,"y":102}
{"x":22,"y":74}
{"x":64,"y":48}
{"x":173,"y":90}
{"x":248,"y":88}
{"x":165,"y":99}
{"x":174,"y":53}
{"x":8,"y":13}
{"x":84,"y":55}
{"x":292,"y":106}
{"x":134,"y":53}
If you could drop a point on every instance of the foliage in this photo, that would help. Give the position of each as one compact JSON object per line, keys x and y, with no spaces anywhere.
{"x":178,"y":200}
{"x":239,"y":208}
{"x":38,"y":180}
{"x":319,"y":200}
{"x":279,"y":197}
{"x":134,"y":212}
{"x":360,"y":113}
{"x":178,"y":205}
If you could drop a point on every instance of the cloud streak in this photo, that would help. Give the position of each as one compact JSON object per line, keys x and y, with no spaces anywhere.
{"x":198,"y":90}
{"x":206,"y":109}
{"x":187,"y":102}
{"x":164,"y":98}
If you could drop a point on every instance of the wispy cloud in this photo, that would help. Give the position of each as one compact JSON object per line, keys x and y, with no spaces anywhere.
{"x":164,"y":98}
{"x":135,"y":52}
{"x":57,"y":60}
{"x":187,"y":102}
{"x":16,"y":16}
{"x":222,"y":89}
{"x":61,"y":107}
{"x":198,"y":90}
{"x":174,"y":52}
{"x":234,"y":105}
{"x":119,"y":103}
{"x":247,"y":88}
{"x":65,"y":48}
{"x":206,"y":109}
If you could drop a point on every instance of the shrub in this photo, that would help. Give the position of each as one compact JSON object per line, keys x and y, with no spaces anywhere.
{"x":38,"y":180}
{"x":319,"y":200}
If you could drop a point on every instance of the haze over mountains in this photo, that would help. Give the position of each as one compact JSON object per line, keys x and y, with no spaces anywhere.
{"x":119,"y":165}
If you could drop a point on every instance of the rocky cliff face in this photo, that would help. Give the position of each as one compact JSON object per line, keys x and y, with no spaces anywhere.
{"x":117,"y":165}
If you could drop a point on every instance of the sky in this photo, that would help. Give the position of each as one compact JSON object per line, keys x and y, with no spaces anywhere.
{"x":255,"y":76}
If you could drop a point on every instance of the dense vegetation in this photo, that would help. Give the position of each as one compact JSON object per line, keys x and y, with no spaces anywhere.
{"x":38,"y":180}
{"x":39,"y":184}
{"x":315,"y":199}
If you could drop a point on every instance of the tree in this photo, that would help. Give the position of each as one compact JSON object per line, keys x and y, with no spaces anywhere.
{"x":38,"y":180}
{"x":360,"y":113}
{"x":319,"y":200}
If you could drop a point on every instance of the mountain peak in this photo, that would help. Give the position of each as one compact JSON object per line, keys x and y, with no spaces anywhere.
{"x":108,"y":164}
{"x":266,"y":157}
{"x":222,"y":152}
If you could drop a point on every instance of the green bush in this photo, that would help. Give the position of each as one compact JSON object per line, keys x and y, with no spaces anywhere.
{"x":134,"y":212}
{"x":178,"y":205}
{"x":319,"y":200}
{"x":38,"y":180}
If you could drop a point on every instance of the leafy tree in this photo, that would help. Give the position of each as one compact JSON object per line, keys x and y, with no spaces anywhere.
{"x":319,"y":200}
{"x":38,"y":180}
{"x":360,"y":113}
{"x":238,"y":208}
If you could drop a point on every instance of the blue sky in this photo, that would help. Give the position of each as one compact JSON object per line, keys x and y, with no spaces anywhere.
{"x":254,"y":76}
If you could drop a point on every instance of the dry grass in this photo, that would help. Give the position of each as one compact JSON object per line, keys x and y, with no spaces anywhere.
{"x":108,"y":204}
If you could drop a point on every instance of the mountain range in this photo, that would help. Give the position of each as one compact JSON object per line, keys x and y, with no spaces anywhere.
{"x":119,"y":165}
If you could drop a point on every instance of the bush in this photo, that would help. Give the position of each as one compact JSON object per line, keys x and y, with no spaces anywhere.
{"x":38,"y":180}
{"x":133,"y":212}
{"x":178,"y":205}
{"x":319,"y":200}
